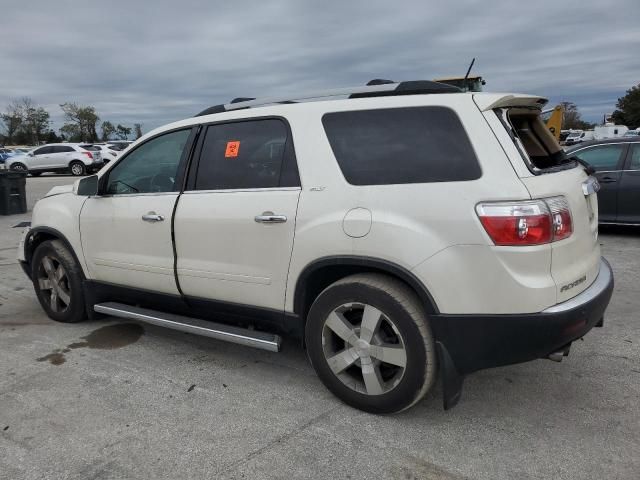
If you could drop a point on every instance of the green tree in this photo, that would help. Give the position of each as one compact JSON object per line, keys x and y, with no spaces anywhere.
{"x":137,"y":128}
{"x":70,"y":132}
{"x":123,"y":132}
{"x":628,"y":108}
{"x":107,"y":130}
{"x":82,"y":117}
{"x":572,"y":118}
{"x":12,"y":119}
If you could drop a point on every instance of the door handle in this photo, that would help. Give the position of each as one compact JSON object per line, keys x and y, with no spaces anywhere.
{"x":607,"y":180}
{"x":270,"y":217}
{"x":152,"y":217}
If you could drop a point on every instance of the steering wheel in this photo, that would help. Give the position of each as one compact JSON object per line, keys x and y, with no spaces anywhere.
{"x":161,"y":182}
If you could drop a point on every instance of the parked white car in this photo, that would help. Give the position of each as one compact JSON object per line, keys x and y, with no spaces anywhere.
{"x":56,"y":157}
{"x":108,"y":154}
{"x":404,"y":231}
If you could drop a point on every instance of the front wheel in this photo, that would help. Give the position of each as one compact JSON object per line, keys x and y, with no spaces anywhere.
{"x":369,"y":341}
{"x":57,"y":280}
{"x":18,"y":167}
{"x":77,"y":169}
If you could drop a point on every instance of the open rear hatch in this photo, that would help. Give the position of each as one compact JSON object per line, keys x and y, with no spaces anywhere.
{"x":547,"y":172}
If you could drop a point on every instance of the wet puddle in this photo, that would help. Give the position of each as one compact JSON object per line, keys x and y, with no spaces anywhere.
{"x":109,"y":337}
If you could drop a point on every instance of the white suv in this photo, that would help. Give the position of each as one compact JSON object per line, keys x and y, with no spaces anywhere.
{"x":57,"y":157}
{"x":406,"y":230}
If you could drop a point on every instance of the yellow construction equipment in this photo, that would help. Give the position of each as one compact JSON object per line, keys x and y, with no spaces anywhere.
{"x":554,"y":124}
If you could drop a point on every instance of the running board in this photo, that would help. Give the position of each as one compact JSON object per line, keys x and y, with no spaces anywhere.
{"x":227,"y":333}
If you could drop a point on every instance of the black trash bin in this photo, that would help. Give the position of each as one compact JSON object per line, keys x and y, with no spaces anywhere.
{"x":13,"y":197}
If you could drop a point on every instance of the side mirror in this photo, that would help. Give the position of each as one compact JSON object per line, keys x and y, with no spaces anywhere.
{"x":87,"y":186}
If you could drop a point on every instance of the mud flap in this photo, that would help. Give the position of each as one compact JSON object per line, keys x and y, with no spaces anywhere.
{"x":451,"y":379}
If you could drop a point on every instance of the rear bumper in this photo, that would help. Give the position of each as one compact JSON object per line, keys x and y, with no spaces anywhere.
{"x":475,"y":342}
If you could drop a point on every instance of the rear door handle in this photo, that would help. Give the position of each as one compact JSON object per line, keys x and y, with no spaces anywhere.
{"x":270,"y":217}
{"x":152,"y":217}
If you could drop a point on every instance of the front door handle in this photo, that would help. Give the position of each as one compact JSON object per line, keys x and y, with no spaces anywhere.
{"x":270,"y":217}
{"x":607,"y":180}
{"x":152,"y":217}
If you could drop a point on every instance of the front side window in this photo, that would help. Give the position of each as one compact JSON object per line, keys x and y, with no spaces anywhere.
{"x":42,"y":151}
{"x":247,"y":154}
{"x":152,"y":167}
{"x":401,"y":145}
{"x":603,"y":157}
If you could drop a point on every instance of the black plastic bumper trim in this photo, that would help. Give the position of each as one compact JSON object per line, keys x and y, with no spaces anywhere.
{"x":475,"y":342}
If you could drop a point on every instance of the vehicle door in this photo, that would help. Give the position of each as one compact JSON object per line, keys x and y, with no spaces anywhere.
{"x":61,"y":156}
{"x":126,"y":228}
{"x":40,"y":158}
{"x":235,"y":222}
{"x":607,"y":160}
{"x":629,"y":192}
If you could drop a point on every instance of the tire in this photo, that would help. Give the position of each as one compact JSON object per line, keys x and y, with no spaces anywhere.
{"x":77,"y":168}
{"x":35,"y":174}
{"x":355,"y":352}
{"x":18,"y":167}
{"x":59,"y":292}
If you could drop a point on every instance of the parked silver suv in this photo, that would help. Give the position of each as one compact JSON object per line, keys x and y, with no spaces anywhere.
{"x":57,"y":157}
{"x":399,"y":230}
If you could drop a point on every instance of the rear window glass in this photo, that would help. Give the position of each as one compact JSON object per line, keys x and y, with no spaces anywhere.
{"x":537,"y":145}
{"x":401,"y":145}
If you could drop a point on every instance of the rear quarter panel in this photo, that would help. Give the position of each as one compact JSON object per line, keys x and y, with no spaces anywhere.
{"x":431,"y":229}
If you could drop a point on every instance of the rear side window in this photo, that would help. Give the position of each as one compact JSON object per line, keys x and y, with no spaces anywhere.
{"x":247,"y":154}
{"x":401,"y":145}
{"x":62,"y":149}
{"x":603,"y":157}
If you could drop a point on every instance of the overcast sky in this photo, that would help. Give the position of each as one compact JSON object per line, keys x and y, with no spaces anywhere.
{"x":167,"y":60}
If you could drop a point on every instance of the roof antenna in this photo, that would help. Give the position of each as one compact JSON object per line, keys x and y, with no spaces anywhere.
{"x":464,"y":83}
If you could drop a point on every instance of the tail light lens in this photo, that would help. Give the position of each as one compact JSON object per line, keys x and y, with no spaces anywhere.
{"x":88,"y":154}
{"x":534,"y":222}
{"x":561,"y":217}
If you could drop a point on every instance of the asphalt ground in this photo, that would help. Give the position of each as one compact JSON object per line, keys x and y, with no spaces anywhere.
{"x":112,"y":399}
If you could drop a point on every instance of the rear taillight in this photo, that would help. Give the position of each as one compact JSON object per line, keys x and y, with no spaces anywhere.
{"x":530,"y":222}
{"x":561,"y":217}
{"x":88,"y":154}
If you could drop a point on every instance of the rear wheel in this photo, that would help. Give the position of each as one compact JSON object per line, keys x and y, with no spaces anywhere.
{"x":369,"y":341}
{"x":18,"y":167}
{"x":57,"y":280}
{"x":77,"y":168}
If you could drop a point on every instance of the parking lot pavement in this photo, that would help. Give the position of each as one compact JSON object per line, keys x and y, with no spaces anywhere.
{"x":110,"y":399}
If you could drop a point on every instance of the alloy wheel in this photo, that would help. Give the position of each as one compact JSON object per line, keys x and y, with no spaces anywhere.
{"x":53,"y":283}
{"x":364,"y":349}
{"x":76,"y":169}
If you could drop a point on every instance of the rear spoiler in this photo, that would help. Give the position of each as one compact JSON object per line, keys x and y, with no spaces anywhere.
{"x":487,"y":102}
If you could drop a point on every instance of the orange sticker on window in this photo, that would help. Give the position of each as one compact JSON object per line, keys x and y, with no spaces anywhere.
{"x":232,"y":149}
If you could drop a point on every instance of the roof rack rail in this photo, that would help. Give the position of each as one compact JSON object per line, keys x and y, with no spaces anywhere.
{"x":378,"y":89}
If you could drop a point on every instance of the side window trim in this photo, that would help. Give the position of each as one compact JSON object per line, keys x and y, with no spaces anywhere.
{"x":182,"y":164}
{"x":626,"y":166}
{"x":289,"y":156}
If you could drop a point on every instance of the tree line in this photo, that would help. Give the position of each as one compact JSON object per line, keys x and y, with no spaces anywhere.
{"x":26,"y":123}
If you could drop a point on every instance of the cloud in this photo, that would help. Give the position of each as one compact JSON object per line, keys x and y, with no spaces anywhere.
{"x":155,"y":62}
